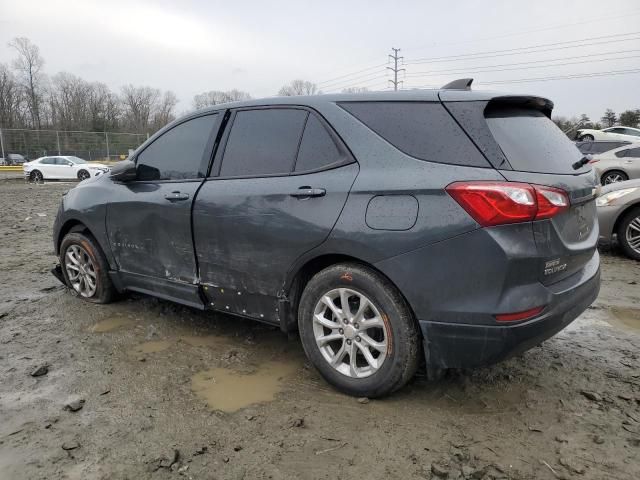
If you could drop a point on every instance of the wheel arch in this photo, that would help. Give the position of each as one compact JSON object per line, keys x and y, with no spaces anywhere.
{"x":72,"y":225}
{"x":612,"y":169}
{"x":298,"y":277}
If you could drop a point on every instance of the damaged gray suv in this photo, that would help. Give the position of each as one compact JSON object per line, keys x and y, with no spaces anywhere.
{"x":449,"y":227}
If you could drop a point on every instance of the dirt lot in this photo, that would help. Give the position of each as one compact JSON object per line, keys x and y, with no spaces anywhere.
{"x":171,"y":392}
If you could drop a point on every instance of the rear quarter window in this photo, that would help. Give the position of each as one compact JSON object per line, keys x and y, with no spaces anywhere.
{"x":423,"y":130}
{"x":531,"y":142}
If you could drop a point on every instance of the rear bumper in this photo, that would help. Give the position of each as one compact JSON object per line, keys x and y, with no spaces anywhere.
{"x":455,"y":345}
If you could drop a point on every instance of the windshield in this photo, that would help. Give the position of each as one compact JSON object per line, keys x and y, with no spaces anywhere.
{"x":76,"y":160}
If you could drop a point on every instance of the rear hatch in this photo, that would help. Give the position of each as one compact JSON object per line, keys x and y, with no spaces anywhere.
{"x":524,"y":145}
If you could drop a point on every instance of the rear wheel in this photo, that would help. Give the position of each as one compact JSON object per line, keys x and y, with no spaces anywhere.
{"x":587,"y":138}
{"x":614,"y":176}
{"x":83,"y":175}
{"x":629,"y":233}
{"x":85,"y":268}
{"x":358,"y":331}
{"x":36,"y":176}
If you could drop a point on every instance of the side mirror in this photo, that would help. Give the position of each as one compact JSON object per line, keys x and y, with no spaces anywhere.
{"x":124,"y":171}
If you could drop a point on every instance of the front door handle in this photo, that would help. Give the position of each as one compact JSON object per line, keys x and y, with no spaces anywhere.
{"x":176,"y":196}
{"x":306,"y":192}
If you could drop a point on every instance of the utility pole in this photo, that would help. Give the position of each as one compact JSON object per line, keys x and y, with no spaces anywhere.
{"x":395,"y":68}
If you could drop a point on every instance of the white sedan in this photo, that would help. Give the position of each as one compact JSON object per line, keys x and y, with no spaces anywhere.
{"x":62,"y":168}
{"x":611,"y":133}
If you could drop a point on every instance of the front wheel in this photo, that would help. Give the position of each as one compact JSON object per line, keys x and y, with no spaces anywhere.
{"x":36,"y":176}
{"x":587,"y":138}
{"x":358,"y":331}
{"x":85,"y":268}
{"x":83,"y":175}
{"x":614,"y":176}
{"x":629,"y":233}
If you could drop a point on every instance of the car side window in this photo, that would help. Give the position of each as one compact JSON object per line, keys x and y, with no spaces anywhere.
{"x":263,"y":142}
{"x":633,"y":153}
{"x":317,"y":148}
{"x":628,"y":131}
{"x":178,"y":153}
{"x":621,"y":153}
{"x":48,"y":161}
{"x":62,"y":161}
{"x":616,"y":130}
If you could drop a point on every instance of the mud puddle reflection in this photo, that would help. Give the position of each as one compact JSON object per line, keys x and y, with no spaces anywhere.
{"x":110,"y":324}
{"x":228,"y":390}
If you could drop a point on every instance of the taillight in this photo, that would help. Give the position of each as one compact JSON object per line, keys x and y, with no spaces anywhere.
{"x":499,"y":203}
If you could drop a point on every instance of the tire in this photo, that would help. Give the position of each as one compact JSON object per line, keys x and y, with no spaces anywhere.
{"x":586,"y":138}
{"x":83,"y":175}
{"x":396,"y":333}
{"x":85,"y":248}
{"x":613,"y":176}
{"x":629,"y":233}
{"x":36,"y":176}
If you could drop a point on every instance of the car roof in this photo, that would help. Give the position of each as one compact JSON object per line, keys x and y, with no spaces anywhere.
{"x":423,"y":95}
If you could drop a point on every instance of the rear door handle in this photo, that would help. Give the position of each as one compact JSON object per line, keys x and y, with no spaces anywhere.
{"x":176,"y":196}
{"x":306,"y":192}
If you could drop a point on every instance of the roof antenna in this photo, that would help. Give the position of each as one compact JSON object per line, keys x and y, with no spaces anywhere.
{"x":460,"y":84}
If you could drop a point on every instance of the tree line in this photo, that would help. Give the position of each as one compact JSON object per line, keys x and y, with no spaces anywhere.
{"x":628,"y":118}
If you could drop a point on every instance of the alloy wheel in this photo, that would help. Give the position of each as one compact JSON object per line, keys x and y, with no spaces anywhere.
{"x":83,"y":175}
{"x":633,"y":234}
{"x":350,"y":332}
{"x":80,"y":271}
{"x":613,"y":178}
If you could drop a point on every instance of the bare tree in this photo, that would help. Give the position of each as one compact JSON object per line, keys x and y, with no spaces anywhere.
{"x":216,"y":97}
{"x":164,"y":112}
{"x":29,"y":65}
{"x":355,"y":90}
{"x":138,"y":104}
{"x":609,"y":118}
{"x":9,"y":99}
{"x":299,"y":87}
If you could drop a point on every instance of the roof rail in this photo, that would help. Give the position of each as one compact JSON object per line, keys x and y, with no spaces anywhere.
{"x":460,"y":84}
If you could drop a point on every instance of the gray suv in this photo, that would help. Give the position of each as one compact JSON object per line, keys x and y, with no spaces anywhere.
{"x":446,"y":227}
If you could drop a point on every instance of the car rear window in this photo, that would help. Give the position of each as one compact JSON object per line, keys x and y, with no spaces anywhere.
{"x":424,"y":130}
{"x":601,"y":147}
{"x":532,"y":142}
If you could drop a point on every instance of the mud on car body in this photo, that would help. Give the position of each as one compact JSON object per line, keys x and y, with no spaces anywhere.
{"x":387,"y":228}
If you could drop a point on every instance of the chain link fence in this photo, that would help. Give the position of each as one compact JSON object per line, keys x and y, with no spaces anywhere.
{"x":91,"y":146}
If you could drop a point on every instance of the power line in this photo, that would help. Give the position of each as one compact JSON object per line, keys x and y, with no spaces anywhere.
{"x":490,"y":69}
{"x":395,"y":68}
{"x":358,"y":84}
{"x":350,"y":74}
{"x":557,"y":77}
{"x":541,"y":29}
{"x":519,"y":50}
{"x":364,"y":77}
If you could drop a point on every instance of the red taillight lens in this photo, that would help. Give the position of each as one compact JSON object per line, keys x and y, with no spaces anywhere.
{"x":499,"y":203}
{"x":518,"y":316}
{"x":551,"y":201}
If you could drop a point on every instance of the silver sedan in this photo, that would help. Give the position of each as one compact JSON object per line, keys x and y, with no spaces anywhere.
{"x":619,"y":214}
{"x":619,"y":164}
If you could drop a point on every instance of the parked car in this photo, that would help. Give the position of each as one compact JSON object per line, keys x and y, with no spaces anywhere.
{"x":618,"y":165}
{"x":12,"y":159}
{"x":619,"y":215}
{"x":611,"y":133}
{"x":597,"y":147}
{"x":62,"y":168}
{"x":444,"y":225}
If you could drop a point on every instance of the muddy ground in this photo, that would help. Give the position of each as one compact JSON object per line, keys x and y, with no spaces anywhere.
{"x":171,"y":392}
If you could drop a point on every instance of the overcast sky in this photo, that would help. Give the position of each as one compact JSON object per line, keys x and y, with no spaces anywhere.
{"x":257,"y":46}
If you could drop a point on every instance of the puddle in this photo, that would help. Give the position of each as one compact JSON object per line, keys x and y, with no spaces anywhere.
{"x":627,"y":318}
{"x":152,"y":347}
{"x":111,"y":324}
{"x":229,"y":390}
